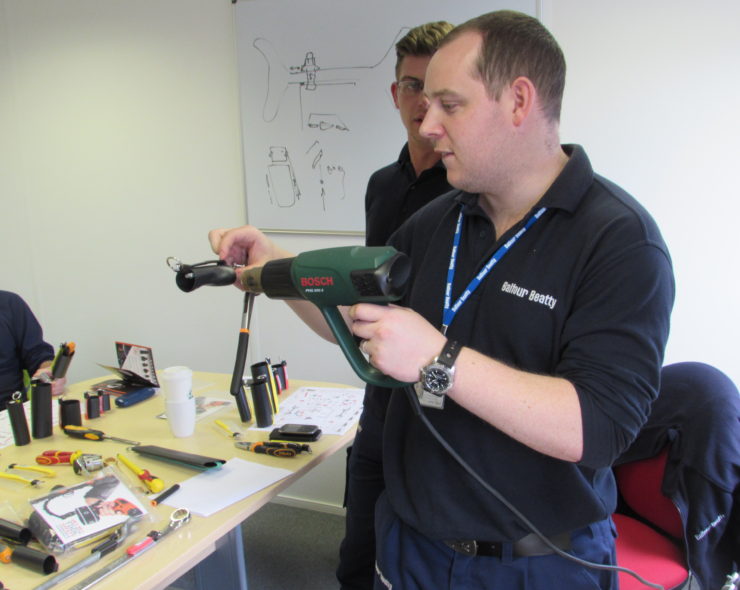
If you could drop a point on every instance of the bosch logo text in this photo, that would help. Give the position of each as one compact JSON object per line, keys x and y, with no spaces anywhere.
{"x":317,"y":281}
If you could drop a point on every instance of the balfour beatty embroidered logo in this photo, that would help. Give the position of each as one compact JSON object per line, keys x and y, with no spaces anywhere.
{"x":703,"y":533}
{"x":317,"y":281}
{"x":529,"y":294}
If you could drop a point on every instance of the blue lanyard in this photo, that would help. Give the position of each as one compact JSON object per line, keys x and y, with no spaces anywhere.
{"x":448,"y":313}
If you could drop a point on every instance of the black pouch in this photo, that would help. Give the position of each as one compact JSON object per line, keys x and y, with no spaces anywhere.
{"x":179,"y":457}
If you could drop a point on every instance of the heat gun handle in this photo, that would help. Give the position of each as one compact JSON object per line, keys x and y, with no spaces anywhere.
{"x":351,"y":350}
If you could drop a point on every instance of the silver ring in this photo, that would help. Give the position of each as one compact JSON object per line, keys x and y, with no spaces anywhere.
{"x":363,"y":346}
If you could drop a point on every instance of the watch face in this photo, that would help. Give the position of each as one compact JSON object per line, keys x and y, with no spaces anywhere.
{"x":437,"y":379}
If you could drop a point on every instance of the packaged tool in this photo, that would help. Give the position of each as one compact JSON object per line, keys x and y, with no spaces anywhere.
{"x":72,"y":516}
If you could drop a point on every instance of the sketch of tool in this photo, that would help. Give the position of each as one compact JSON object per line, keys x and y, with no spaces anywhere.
{"x":316,"y":153}
{"x":324,"y":122}
{"x":282,"y":185}
{"x":330,"y":176}
{"x":336,"y":176}
{"x":307,"y":77}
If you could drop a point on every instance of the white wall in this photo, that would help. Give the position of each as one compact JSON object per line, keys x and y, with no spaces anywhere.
{"x":120,"y":146}
{"x":652,"y":93}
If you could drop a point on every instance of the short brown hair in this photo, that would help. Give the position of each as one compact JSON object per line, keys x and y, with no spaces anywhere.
{"x":516,"y":44}
{"x":421,"y":41}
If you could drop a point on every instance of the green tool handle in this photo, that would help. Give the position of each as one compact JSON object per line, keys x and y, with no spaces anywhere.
{"x":351,"y":350}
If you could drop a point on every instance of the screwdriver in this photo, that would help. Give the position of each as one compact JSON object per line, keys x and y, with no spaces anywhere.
{"x":91,"y":434}
{"x":264,"y":449}
{"x":297,"y":447}
{"x":152,"y":482}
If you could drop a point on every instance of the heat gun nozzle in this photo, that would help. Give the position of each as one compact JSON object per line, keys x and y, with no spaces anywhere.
{"x":190,"y":277}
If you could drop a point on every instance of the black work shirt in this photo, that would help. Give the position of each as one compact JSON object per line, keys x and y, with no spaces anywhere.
{"x":585,"y":294}
{"x":394,"y":193}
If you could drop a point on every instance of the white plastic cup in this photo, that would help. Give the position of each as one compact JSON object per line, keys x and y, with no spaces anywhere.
{"x":181,"y":417}
{"x":177,"y":383}
{"x":179,"y":403}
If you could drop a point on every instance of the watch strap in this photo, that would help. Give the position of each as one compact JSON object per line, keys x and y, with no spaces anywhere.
{"x":449,"y":353}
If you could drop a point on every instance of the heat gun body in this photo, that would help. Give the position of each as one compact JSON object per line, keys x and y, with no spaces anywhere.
{"x":337,"y":276}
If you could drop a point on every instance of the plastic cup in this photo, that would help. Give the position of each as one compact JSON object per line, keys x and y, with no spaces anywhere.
{"x":181,"y":417}
{"x":177,"y":383}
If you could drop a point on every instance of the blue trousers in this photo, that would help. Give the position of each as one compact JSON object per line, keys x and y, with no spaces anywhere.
{"x":365,"y":483}
{"x":407,"y":560}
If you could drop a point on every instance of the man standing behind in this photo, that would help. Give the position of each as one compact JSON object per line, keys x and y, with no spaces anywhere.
{"x":393,"y":194}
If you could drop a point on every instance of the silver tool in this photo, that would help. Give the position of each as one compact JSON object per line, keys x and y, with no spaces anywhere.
{"x":178,"y":518}
{"x":114,"y":541}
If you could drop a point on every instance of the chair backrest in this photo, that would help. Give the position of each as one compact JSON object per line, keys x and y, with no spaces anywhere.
{"x":639,"y":484}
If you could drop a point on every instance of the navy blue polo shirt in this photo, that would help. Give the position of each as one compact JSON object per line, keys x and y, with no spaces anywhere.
{"x":586,"y":295}
{"x":21,"y":344}
{"x":394,"y":193}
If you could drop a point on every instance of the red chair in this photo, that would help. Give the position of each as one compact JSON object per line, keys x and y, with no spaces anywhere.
{"x":650,"y":541}
{"x":689,"y":450}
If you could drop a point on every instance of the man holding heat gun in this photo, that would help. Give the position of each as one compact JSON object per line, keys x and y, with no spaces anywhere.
{"x":533,"y":329}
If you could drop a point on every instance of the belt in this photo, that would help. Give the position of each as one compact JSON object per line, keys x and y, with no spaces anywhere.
{"x":529,"y":546}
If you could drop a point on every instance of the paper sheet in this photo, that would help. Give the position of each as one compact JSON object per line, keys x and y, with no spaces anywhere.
{"x":332,"y":409}
{"x":208,"y":492}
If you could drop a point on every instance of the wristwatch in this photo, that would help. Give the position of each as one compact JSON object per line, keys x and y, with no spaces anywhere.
{"x":437,"y":377}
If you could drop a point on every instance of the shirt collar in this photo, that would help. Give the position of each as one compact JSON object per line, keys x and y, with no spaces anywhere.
{"x":574,"y":180}
{"x":564,"y":193}
{"x":404,"y":159}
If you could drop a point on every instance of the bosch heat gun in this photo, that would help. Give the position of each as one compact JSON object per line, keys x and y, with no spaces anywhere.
{"x":328,"y":278}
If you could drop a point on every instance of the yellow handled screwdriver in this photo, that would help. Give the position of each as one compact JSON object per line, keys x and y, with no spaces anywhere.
{"x":153,"y":483}
{"x":223,"y":426}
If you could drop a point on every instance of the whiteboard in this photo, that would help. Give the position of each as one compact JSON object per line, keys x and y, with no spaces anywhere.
{"x":317,"y":113}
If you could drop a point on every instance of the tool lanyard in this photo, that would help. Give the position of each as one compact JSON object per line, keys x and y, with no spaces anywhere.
{"x":448,"y":312}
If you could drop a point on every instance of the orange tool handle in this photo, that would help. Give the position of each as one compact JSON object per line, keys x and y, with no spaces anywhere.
{"x":5,"y":553}
{"x":266,"y":450}
{"x":82,"y":432}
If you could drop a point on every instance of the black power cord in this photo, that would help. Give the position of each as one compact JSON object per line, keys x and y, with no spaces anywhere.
{"x":416,"y":406}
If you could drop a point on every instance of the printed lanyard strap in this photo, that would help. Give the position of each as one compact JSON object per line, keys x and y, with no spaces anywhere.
{"x":448,"y":313}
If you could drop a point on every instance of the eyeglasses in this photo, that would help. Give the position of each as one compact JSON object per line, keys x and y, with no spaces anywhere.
{"x":410,"y":87}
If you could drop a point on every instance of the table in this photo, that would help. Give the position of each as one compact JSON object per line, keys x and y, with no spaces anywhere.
{"x":212,"y":545}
